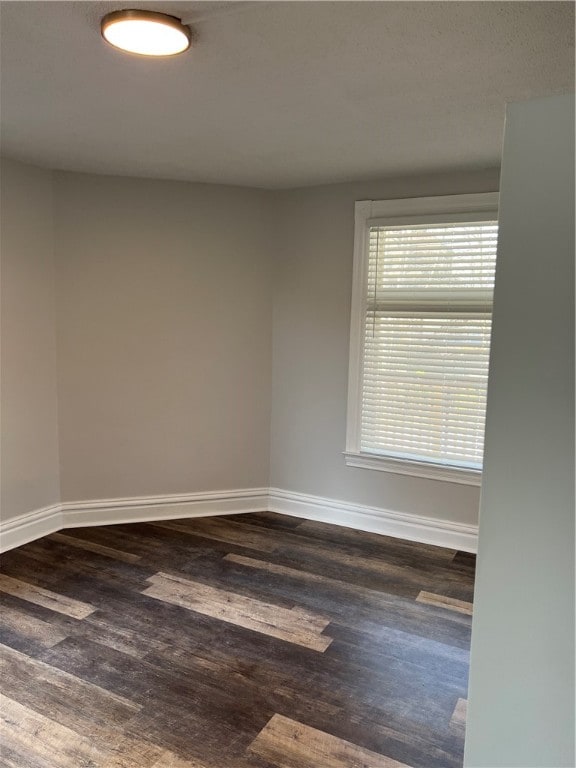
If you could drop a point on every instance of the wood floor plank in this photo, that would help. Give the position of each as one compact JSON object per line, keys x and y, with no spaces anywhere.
{"x":375,"y":542}
{"x":466,"y":559}
{"x":128,"y":641}
{"x":295,"y":625}
{"x":184,"y":713}
{"x":74,"y":703}
{"x":361,"y":593}
{"x":219,"y":530}
{"x":261,"y":610}
{"x":29,"y":628}
{"x":45,"y":597}
{"x":217,"y":740}
{"x":363,"y":572}
{"x":214,"y":569}
{"x":177,"y":545}
{"x":95,"y":566}
{"x":170,"y":760}
{"x":90,"y":546}
{"x":340,"y":700}
{"x":268,"y":520}
{"x":341,"y":600}
{"x":50,"y":625}
{"x":24,"y":564}
{"x":226,"y":642}
{"x":38,"y":740}
{"x":290,"y":744}
{"x":457,"y":723}
{"x":460,"y":606}
{"x":142,"y":539}
{"x":135,"y":753}
{"x":350,"y":605}
{"x":13,"y":759}
{"x":460,"y":712}
{"x":262,"y":681}
{"x":418,"y":747}
{"x":408,"y":562}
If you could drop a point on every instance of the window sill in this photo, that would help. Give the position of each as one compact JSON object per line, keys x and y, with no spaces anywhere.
{"x":415,"y":468}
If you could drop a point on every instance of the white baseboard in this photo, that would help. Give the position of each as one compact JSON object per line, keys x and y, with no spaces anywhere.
{"x":137,"y":509}
{"x":33,"y":525}
{"x":143,"y":509}
{"x":427,"y":530}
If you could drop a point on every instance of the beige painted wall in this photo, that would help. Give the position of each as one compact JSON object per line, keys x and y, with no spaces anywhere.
{"x":521,"y":708}
{"x":164,"y":336}
{"x":313,"y":247}
{"x":29,"y":437}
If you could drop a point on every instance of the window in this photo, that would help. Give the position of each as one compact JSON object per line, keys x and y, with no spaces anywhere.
{"x":420,"y":335}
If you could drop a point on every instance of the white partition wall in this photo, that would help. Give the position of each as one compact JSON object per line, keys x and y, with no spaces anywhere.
{"x":521,"y":701}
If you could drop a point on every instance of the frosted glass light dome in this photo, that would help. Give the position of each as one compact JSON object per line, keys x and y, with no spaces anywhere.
{"x":145,"y":32}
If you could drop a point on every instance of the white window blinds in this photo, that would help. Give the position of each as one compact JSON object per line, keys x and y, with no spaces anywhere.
{"x":427,"y":341}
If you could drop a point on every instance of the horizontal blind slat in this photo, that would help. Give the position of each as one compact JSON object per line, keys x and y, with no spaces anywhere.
{"x":427,"y":340}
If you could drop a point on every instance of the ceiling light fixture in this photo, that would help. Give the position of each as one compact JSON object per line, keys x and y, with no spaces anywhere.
{"x":145,"y":32}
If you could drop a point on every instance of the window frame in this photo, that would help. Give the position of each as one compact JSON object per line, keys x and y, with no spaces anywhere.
{"x":421,"y":210}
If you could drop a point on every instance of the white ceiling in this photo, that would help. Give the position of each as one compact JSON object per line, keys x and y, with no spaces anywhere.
{"x":279,"y":94}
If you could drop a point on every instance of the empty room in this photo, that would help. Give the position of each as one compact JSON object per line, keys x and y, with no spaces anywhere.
{"x":287,"y":384}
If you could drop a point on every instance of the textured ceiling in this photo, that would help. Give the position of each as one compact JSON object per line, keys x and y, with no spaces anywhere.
{"x":279,"y":94}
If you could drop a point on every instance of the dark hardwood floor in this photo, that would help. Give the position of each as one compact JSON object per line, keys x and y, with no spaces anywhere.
{"x":250,"y":641}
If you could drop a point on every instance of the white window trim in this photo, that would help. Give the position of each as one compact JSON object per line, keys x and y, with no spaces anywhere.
{"x":396,"y":212}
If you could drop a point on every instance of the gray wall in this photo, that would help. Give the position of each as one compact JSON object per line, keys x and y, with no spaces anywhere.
{"x":313,"y":248}
{"x":164,"y":336}
{"x":170,"y":351}
{"x":521,"y":710}
{"x":29,"y":436}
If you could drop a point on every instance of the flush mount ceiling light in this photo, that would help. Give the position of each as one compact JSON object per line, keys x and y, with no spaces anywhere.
{"x":145,"y":32}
